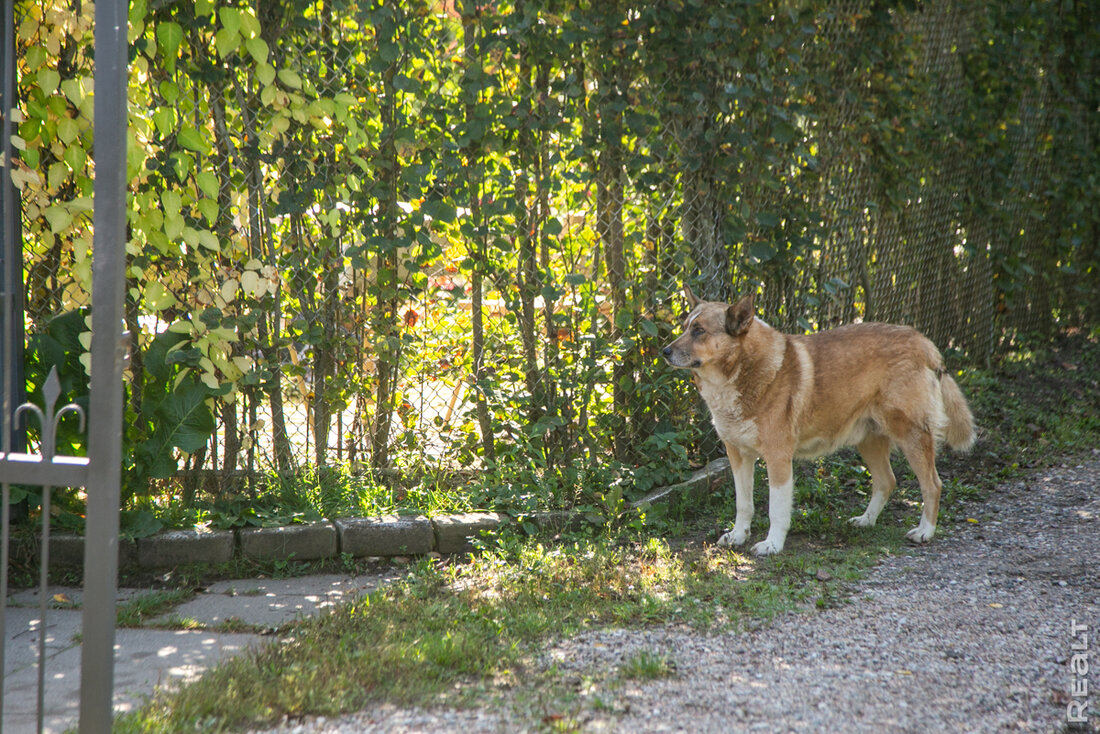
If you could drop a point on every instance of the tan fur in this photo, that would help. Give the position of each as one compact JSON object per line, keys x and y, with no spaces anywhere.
{"x":778,"y":396}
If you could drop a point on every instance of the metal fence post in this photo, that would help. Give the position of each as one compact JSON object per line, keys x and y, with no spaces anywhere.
{"x":7,"y":264}
{"x":105,"y":402}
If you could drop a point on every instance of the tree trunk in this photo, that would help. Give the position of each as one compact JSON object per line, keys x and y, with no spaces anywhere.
{"x":473,"y":184}
{"x":387,"y":336}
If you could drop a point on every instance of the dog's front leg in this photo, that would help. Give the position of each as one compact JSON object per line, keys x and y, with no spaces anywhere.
{"x":742,"y":466}
{"x":780,"y":502}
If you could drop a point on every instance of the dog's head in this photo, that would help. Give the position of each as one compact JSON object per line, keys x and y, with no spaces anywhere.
{"x":711,"y":331}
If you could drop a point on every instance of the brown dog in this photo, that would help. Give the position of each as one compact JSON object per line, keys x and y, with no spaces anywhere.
{"x":779,"y":396}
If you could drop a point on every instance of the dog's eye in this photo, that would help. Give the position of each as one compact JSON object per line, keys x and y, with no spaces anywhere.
{"x":697,"y":331}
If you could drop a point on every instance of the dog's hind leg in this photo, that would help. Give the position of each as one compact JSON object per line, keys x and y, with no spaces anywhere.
{"x":742,"y":465}
{"x":921,"y":453}
{"x":875,"y":450}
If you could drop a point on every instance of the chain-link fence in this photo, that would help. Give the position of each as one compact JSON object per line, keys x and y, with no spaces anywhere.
{"x":422,"y":235}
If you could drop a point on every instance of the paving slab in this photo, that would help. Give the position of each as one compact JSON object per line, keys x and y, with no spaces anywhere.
{"x":271,"y":603}
{"x":148,"y":659}
{"x":145,"y":660}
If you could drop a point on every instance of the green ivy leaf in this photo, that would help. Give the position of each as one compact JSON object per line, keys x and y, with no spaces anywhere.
{"x":257,"y":49}
{"x":165,"y":120}
{"x":191,"y":139}
{"x":183,"y":421}
{"x":290,"y":78}
{"x":250,"y":26}
{"x":208,"y":183}
{"x":762,"y":251}
{"x":265,"y":74}
{"x":209,"y":209}
{"x":767,"y":219}
{"x":389,"y":51}
{"x":169,"y":38}
{"x":784,"y":132}
{"x":48,"y":79}
{"x":58,"y":217}
{"x":170,"y":91}
{"x":35,"y":57}
{"x":226,"y":41}
{"x":56,"y":175}
{"x":172,"y":203}
{"x":231,"y":19}
{"x":209,"y":240}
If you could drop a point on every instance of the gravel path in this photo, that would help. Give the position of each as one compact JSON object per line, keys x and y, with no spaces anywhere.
{"x":969,"y":634}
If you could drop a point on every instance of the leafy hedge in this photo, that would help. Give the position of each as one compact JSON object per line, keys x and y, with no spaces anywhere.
{"x":408,"y":236}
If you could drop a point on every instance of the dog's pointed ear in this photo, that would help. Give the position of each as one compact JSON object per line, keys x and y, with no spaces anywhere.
{"x":691,"y":299}
{"x":739,"y":316}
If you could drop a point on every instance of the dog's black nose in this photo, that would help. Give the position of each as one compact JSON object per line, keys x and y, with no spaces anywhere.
{"x":667,"y":351}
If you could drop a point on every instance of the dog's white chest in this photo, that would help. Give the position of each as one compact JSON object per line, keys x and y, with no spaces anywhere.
{"x":726,"y":414}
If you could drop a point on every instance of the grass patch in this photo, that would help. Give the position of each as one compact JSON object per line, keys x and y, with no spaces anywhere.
{"x":137,"y":611}
{"x":647,"y":665}
{"x":450,"y":633}
{"x":454,"y":633}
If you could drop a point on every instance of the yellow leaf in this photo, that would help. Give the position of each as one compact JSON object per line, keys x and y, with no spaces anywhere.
{"x":995,"y":605}
{"x":250,"y":282}
{"x":244,"y":364}
{"x":28,"y":28}
{"x":157,"y":297}
{"x":181,"y":327}
{"x":229,"y":290}
{"x":62,"y":599}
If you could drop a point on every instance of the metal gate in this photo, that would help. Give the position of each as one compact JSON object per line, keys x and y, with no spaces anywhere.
{"x":99,"y":472}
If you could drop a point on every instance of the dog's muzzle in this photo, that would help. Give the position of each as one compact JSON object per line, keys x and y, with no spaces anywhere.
{"x":677,"y":358}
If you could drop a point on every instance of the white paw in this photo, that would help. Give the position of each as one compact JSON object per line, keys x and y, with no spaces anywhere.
{"x":737,"y":536}
{"x":862,"y":521}
{"x":922,"y":533}
{"x":767,"y":547}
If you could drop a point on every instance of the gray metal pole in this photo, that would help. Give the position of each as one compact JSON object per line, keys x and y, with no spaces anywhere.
{"x":105,"y":401}
{"x":7,"y":69}
{"x":11,"y":248}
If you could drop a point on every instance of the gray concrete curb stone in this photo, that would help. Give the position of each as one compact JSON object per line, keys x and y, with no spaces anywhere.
{"x":696,"y":486}
{"x":558,"y":521}
{"x":67,"y":551}
{"x":389,"y":535}
{"x":309,"y":542}
{"x":385,"y":536}
{"x":453,"y":533}
{"x":175,"y":547}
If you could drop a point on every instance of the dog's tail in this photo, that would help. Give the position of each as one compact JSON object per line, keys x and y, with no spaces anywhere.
{"x":959,"y":433}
